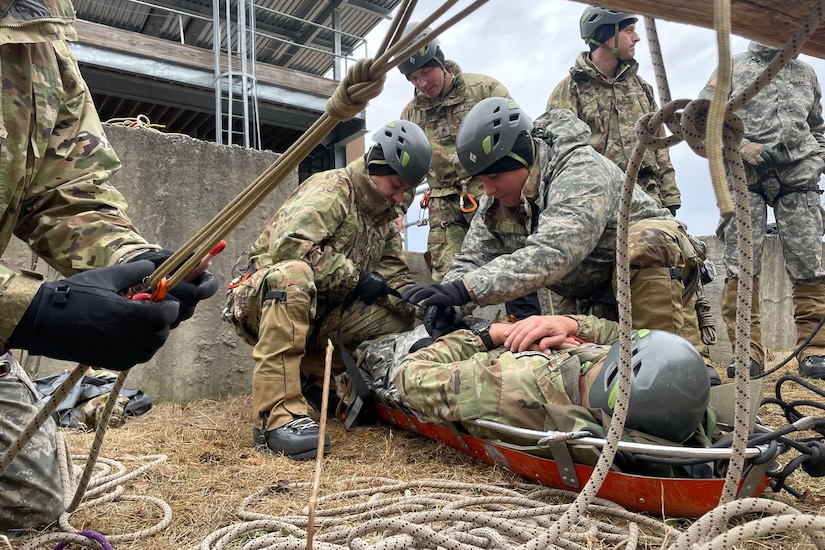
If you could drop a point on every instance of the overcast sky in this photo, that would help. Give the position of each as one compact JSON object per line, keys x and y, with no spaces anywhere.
{"x":530,"y":45}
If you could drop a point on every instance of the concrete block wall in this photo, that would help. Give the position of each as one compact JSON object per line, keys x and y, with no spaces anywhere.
{"x":175,"y":185}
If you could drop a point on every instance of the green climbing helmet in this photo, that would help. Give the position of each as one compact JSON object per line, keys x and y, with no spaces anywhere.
{"x":406,"y":149}
{"x":488,"y":133}
{"x":669,"y":385}
{"x":425,"y":53}
{"x":594,"y":17}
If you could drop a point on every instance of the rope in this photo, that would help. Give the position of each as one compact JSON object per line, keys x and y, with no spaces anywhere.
{"x":385,"y":514}
{"x":107,"y":486}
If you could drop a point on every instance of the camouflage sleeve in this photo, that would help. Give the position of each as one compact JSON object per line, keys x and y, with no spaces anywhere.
{"x":79,"y":196}
{"x":671,"y":196}
{"x":596,"y":330}
{"x":815,"y":121}
{"x":393,"y":268}
{"x":562,"y":97}
{"x":303,"y":227}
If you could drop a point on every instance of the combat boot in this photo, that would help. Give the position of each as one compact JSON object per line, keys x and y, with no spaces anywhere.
{"x":813,"y":366}
{"x":809,"y":307}
{"x":297,"y":439}
{"x":757,"y":352}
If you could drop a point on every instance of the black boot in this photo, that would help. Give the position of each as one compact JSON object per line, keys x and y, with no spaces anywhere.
{"x":297,"y":439}
{"x":813,"y":366}
{"x":756,"y":368}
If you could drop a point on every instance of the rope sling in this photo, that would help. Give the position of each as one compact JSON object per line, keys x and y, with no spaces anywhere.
{"x":531,"y":524}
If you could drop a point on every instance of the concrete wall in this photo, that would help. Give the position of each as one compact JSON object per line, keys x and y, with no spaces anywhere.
{"x":176,"y":185}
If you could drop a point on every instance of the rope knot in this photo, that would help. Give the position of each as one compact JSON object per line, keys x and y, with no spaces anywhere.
{"x":355,"y":91}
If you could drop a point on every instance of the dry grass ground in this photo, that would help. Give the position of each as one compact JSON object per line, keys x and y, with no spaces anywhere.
{"x":211,"y":468}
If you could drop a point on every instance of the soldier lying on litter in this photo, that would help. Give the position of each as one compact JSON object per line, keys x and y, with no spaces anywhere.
{"x":564,"y":379}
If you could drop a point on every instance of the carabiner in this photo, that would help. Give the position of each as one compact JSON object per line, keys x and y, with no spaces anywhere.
{"x":473,"y":204}
{"x":156,"y":296}
{"x":425,"y":200}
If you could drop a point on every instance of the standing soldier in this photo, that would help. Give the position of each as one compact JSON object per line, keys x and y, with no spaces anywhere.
{"x":783,"y":150}
{"x":605,"y":91}
{"x":443,"y":97}
{"x":323,"y":268}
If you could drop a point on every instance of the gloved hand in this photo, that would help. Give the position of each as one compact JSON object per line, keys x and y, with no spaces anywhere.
{"x":85,"y":318}
{"x":673,"y":209}
{"x":752,"y":153}
{"x":440,"y":320}
{"x":370,"y":287}
{"x":447,"y":294}
{"x":769,"y":156}
{"x":188,"y":294}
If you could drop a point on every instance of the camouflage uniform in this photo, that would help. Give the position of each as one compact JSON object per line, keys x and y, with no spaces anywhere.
{"x":611,"y":107}
{"x":439,"y":118}
{"x":457,"y":379}
{"x":786,"y":115}
{"x":55,"y":161}
{"x":306,"y":261}
{"x":563,"y":237}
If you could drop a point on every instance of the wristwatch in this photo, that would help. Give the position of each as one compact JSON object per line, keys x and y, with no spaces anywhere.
{"x":482,"y":329}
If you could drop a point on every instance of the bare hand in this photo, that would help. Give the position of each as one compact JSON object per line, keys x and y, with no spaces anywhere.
{"x":540,"y":333}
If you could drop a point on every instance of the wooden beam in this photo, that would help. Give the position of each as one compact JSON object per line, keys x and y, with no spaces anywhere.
{"x":103,"y":36}
{"x":771,"y":22}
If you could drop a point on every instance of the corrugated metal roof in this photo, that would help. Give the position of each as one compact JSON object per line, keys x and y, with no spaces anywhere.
{"x":295,"y":34}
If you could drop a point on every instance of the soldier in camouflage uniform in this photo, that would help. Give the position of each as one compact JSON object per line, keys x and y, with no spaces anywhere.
{"x":783,"y":149}
{"x":55,"y":161}
{"x":537,"y":374}
{"x":443,"y":97}
{"x":550,"y":220}
{"x":605,"y":91}
{"x":325,"y":268}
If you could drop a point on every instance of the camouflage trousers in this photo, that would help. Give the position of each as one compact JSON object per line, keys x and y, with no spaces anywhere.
{"x":456,"y":379}
{"x":31,"y":490}
{"x":290,"y":333}
{"x":792,"y":191}
{"x":448,"y":226}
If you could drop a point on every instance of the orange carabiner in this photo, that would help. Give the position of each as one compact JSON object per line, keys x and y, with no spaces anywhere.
{"x":473,"y":204}
{"x":425,"y":200}
{"x":157,"y":296}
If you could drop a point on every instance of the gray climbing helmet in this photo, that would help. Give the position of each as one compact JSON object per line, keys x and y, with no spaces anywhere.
{"x":488,"y":133}
{"x":406,"y":149}
{"x":423,"y":55}
{"x":594,"y":17}
{"x":669,"y":385}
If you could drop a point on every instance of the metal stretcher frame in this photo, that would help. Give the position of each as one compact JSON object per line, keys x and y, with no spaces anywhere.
{"x":672,"y":497}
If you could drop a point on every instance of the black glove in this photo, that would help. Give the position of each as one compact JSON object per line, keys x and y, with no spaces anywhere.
{"x":673,"y":209}
{"x":440,"y":320}
{"x":447,"y":294}
{"x":370,"y":287}
{"x":188,"y":294}
{"x":769,"y":156}
{"x":85,"y":318}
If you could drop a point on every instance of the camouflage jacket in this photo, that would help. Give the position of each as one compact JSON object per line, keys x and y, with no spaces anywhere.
{"x":26,"y":21}
{"x":439,"y":118}
{"x":611,"y":107}
{"x":563,"y":236}
{"x":338,"y":223}
{"x":787,"y":113}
